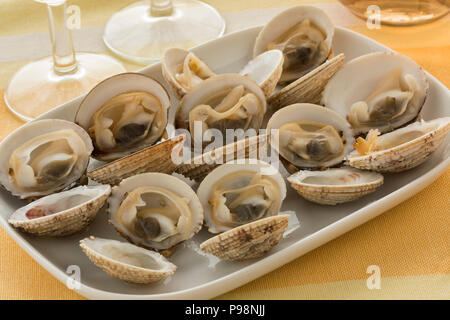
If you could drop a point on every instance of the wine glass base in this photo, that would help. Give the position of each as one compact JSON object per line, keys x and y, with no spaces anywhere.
{"x":36,"y":88}
{"x":135,"y":35}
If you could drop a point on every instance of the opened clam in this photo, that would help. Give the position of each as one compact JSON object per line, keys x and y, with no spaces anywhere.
{"x":155,"y":210}
{"x":336,"y":185}
{"x":382,"y":90}
{"x":303,"y":33}
{"x":62,"y":213}
{"x":43,"y":157}
{"x":183,"y":70}
{"x":310,"y":136}
{"x":126,"y":261}
{"x":226,"y":101}
{"x":240,"y":192}
{"x":399,"y":150}
{"x":123,"y":114}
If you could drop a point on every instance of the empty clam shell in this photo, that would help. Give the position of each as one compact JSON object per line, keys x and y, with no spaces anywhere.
{"x":265,"y":69}
{"x":183,"y":70}
{"x":63,"y":213}
{"x":237,"y":193}
{"x":43,"y":157}
{"x":381,"y":90}
{"x":123,"y":114}
{"x":334,"y":186}
{"x":162,"y":157}
{"x":248,"y":241}
{"x":126,"y":261}
{"x":402,"y":149}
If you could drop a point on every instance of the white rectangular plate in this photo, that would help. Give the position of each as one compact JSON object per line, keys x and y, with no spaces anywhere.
{"x":199,"y":276}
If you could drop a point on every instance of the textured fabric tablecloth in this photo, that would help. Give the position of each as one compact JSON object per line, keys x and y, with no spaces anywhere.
{"x":410,"y":243}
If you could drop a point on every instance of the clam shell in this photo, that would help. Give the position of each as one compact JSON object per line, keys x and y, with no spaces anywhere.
{"x":157,"y":158}
{"x":172,"y":58}
{"x":27,"y":132}
{"x":208,"y":88}
{"x":163,"y":181}
{"x":65,"y":222}
{"x":110,"y":88}
{"x":287,"y":19}
{"x":248,"y":241}
{"x":198,"y":167}
{"x":406,"y":155}
{"x":308,"y":88}
{"x":265,"y":69}
{"x":316,"y":113}
{"x":335,"y":186}
{"x":205,"y":188}
{"x":358,"y":78}
{"x":113,"y":257}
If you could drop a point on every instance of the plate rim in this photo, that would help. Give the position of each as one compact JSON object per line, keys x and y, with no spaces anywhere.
{"x":259,"y":268}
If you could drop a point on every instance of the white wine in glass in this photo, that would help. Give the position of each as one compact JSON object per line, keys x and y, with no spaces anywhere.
{"x":142,"y":31}
{"x":44,"y":84}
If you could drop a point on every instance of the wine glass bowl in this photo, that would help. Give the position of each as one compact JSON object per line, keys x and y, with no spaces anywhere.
{"x":41,"y":85}
{"x":142,"y":31}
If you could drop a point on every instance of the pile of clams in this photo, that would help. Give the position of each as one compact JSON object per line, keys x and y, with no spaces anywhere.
{"x":335,"y":127}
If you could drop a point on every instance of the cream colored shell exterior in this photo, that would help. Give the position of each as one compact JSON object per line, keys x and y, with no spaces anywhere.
{"x":65,"y":222}
{"x":363,"y":184}
{"x":248,"y":241}
{"x":406,"y":155}
{"x":199,"y":167}
{"x":161,"y":157}
{"x":92,"y":248}
{"x":308,"y":88}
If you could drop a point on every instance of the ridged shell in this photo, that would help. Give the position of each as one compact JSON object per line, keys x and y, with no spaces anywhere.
{"x":24,"y":134}
{"x":156,"y":158}
{"x":358,"y":79}
{"x":308,"y":88}
{"x":160,"y":180}
{"x":64,"y":222}
{"x":406,"y":155}
{"x":95,"y":250}
{"x":198,"y":167}
{"x":348,"y":185}
{"x":248,"y":241}
{"x":265,"y":69}
{"x":110,"y":88}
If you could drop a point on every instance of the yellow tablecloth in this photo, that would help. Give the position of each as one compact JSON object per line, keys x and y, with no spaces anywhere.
{"x":410,"y":243}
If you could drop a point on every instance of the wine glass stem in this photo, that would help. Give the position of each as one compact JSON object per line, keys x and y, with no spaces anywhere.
{"x":64,"y":60}
{"x":160,"y":8}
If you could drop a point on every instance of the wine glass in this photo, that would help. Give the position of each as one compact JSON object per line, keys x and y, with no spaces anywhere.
{"x":142,"y":31}
{"x":44,"y":84}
